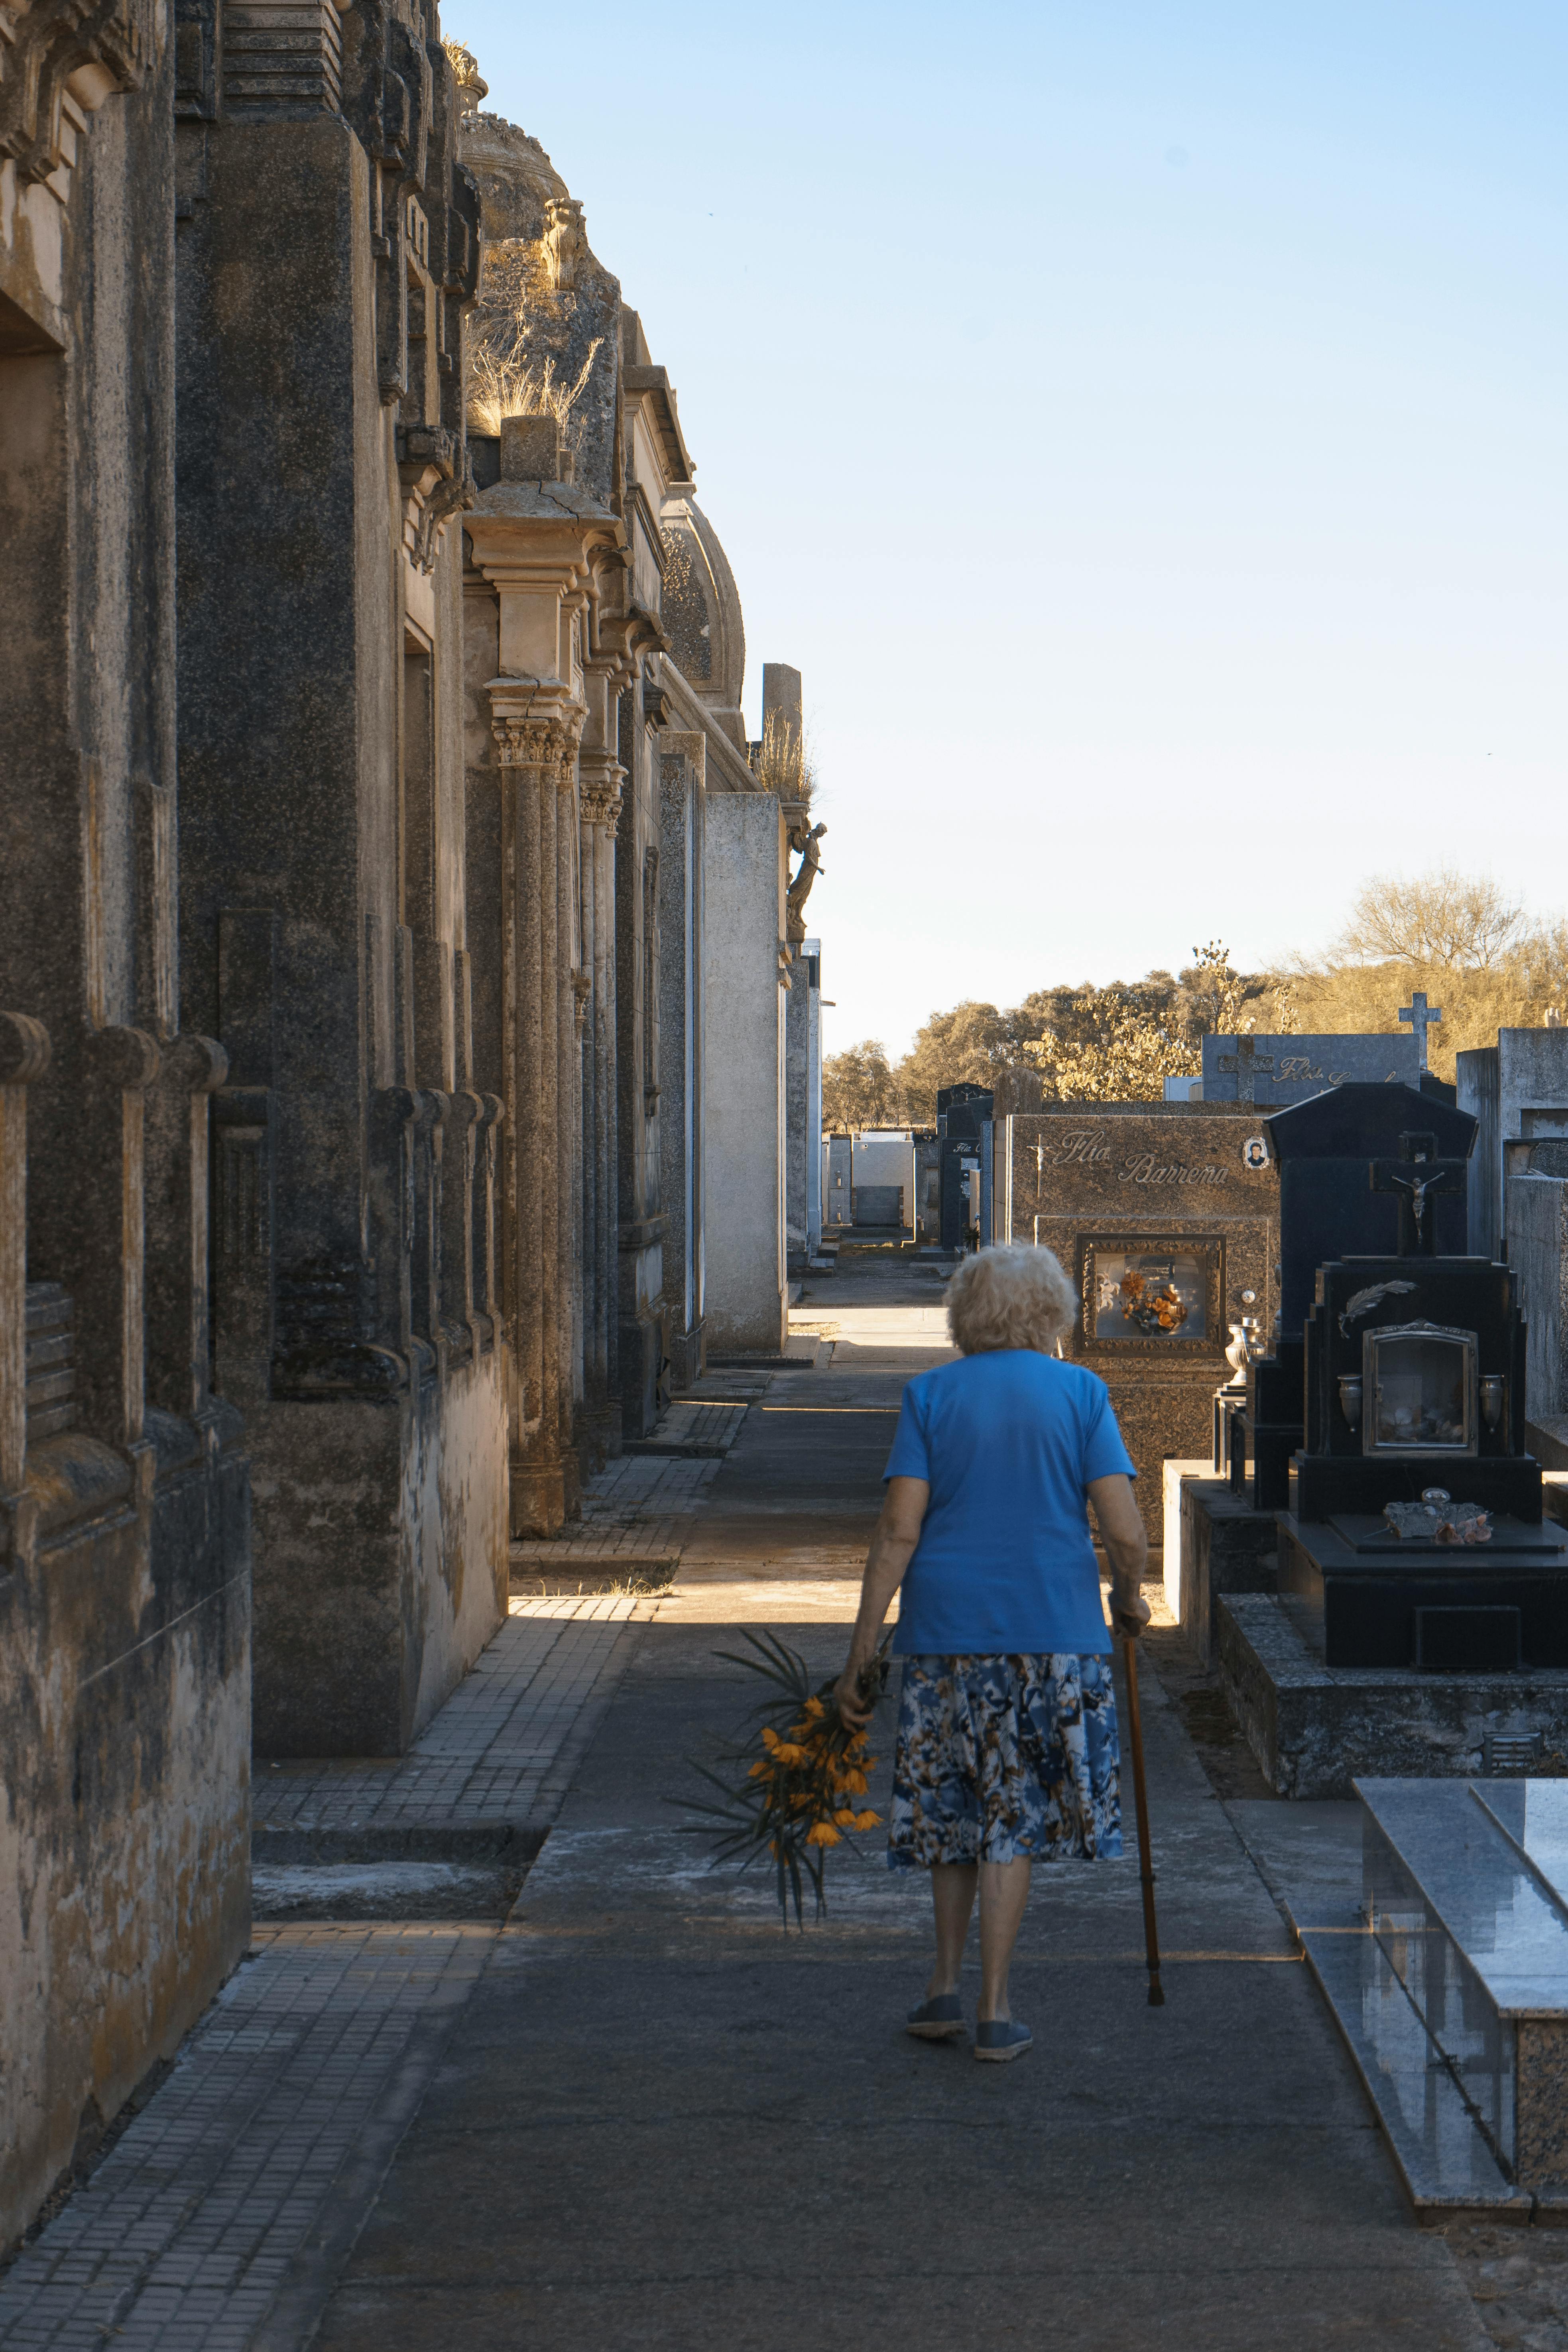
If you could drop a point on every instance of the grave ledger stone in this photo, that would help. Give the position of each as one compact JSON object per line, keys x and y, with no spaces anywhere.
{"x":1166,"y":1217}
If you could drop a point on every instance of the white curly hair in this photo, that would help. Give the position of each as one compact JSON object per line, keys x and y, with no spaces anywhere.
{"x":1011,"y":1296}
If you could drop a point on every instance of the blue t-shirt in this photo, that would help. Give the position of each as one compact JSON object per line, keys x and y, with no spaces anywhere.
{"x":1007,"y":1442}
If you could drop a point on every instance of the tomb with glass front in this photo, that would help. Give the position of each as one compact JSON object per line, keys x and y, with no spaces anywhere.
{"x":1414,"y":1531}
{"x":1327,"y":1152}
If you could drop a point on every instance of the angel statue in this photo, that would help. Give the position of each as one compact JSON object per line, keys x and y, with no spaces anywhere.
{"x":805,"y":875}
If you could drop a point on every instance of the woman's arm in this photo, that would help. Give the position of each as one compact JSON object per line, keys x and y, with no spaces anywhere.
{"x":1127,"y":1547}
{"x":892,"y":1547}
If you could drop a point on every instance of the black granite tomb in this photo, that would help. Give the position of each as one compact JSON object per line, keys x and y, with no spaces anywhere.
{"x":961,"y":1113}
{"x":1328,"y":1210}
{"x":1414,"y":1394}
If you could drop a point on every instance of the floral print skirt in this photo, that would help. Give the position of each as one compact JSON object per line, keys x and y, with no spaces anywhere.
{"x":1000,"y":1758}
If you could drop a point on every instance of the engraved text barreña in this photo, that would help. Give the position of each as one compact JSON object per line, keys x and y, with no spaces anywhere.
{"x":1088,"y":1147}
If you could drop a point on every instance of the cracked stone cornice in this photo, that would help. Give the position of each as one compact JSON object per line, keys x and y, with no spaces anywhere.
{"x":630,"y":632}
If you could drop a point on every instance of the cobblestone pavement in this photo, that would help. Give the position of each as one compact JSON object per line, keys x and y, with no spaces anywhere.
{"x":495,"y":1761}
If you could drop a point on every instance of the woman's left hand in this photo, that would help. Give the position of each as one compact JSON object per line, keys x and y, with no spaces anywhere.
{"x":854,"y":1708}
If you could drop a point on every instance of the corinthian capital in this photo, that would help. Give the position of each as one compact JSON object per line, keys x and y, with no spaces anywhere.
{"x":532,"y":742}
{"x":601,"y":806}
{"x":601,"y":777}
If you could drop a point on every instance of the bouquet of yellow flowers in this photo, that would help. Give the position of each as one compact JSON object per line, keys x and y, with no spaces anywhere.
{"x":793,"y":1801}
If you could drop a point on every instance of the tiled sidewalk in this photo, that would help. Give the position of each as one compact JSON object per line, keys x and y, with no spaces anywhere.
{"x":220,"y":2214}
{"x":219,"y":2218}
{"x":638,"y":1509}
{"x":711,"y":1423}
{"x":494,"y":1764}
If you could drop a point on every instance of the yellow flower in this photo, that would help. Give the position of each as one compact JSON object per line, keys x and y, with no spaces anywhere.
{"x":855,"y":1783}
{"x":822,"y":1833}
{"x":770,"y":1737}
{"x":845,"y":1817}
{"x":866,"y":1821}
{"x":786,"y":1751}
{"x":814,"y":1708}
{"x":760,"y":1770}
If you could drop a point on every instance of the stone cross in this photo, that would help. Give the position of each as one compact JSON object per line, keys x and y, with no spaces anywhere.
{"x":1415,"y":1176}
{"x":1420,"y":1015}
{"x":1249,"y":1066}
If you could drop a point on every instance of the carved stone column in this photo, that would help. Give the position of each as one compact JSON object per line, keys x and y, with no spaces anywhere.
{"x":87,"y":1223}
{"x":488,"y":1280}
{"x":179,"y":1321}
{"x":531,"y":753}
{"x":569,"y":1112}
{"x":24,"y":1057}
{"x":601,"y":808}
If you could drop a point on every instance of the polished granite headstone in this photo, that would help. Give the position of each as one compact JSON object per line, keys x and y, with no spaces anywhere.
{"x":1148,"y":1207}
{"x":1446,"y":1969}
{"x":961,"y":1113}
{"x":1324,"y":1150}
{"x":1414,"y":1390}
{"x":1284,"y":1070}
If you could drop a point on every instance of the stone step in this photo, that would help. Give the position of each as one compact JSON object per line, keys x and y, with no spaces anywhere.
{"x":1468,"y":1918}
{"x":1445,"y":2159}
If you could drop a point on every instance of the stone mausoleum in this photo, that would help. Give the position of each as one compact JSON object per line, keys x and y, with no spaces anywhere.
{"x":395,"y":967}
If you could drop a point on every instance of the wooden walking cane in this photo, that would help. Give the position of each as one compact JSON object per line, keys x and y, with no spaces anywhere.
{"x":1145,"y":1857}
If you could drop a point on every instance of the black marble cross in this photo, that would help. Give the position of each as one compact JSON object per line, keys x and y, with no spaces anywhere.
{"x":1416,"y":1177}
{"x":1249,"y":1066}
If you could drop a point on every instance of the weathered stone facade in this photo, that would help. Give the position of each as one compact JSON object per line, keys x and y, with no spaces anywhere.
{"x":124,"y":1502}
{"x":606,"y":657}
{"x":322,"y":461}
{"x":368,"y":1056}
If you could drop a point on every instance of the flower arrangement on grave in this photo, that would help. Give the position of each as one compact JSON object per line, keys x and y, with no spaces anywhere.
{"x":790,"y":1790}
{"x":1154,"y":1306}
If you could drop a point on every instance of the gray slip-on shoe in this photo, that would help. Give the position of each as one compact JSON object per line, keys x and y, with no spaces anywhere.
{"x":1001,"y":2038}
{"x":936,"y":2021}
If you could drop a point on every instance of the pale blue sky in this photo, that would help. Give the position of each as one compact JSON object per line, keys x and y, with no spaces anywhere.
{"x":1144,"y":424}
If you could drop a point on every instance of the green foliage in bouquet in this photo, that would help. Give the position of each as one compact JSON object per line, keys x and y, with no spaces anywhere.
{"x":793,"y":1801}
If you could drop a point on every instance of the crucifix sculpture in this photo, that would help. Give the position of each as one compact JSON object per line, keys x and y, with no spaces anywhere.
{"x":1420,"y":1015}
{"x":1416,"y":1177}
{"x":1249,"y":1066}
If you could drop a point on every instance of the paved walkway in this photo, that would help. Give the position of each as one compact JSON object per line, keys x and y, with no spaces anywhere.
{"x":635,"y":2114}
{"x":492,"y":1766}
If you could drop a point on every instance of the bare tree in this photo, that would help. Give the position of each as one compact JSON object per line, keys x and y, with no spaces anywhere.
{"x":1454,"y":922}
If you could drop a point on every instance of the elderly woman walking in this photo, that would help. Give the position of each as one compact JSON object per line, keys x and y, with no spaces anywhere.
{"x":1006,"y":1745}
